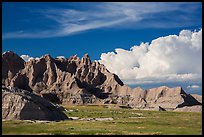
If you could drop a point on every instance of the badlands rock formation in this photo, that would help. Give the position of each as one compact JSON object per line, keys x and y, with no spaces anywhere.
{"x":167,"y":98}
{"x":75,"y":81}
{"x":24,"y":105}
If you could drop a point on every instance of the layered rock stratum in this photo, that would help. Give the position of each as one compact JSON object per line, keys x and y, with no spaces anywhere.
{"x":20,"y":104}
{"x":75,"y":81}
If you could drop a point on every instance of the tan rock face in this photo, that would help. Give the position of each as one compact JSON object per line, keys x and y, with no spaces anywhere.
{"x":167,"y":98}
{"x":75,"y":81}
{"x":24,"y":105}
{"x":11,"y":64}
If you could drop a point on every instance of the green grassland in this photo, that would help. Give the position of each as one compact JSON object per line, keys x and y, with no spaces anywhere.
{"x":125,"y":122}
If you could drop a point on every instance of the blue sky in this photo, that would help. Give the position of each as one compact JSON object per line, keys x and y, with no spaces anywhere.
{"x":65,"y":29}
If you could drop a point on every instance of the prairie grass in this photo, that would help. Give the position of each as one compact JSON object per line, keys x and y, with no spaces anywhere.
{"x":126,"y":122}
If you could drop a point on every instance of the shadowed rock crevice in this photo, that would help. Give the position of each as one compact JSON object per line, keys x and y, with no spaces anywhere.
{"x":22,"y":81}
{"x":118,"y":80}
{"x":188,"y":101}
{"x":52,"y":97}
{"x":99,"y":93}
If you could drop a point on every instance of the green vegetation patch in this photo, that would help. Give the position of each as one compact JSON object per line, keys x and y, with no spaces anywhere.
{"x":125,"y":122}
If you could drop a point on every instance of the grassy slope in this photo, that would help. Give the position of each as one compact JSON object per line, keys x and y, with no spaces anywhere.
{"x":126,"y":121}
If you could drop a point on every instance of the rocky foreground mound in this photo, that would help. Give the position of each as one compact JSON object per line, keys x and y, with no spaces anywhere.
{"x":75,"y":81}
{"x":24,"y":105}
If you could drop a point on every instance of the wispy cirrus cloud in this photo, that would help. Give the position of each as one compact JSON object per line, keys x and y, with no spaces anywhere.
{"x":69,"y":21}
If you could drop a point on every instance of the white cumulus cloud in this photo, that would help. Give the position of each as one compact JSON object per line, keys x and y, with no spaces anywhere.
{"x":193,"y":86}
{"x":26,"y":58}
{"x":169,"y":58}
{"x":60,"y":57}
